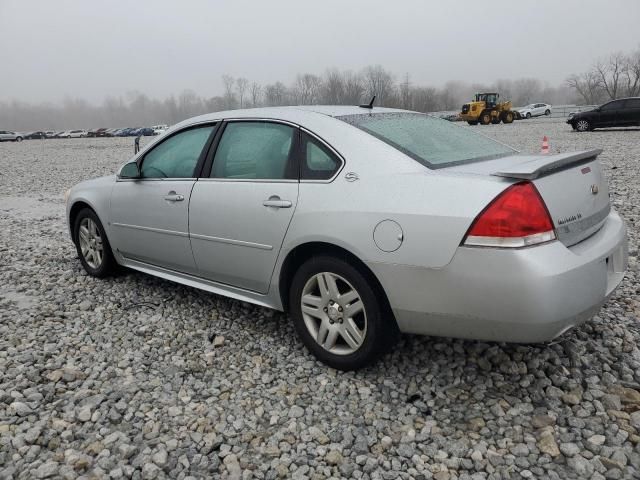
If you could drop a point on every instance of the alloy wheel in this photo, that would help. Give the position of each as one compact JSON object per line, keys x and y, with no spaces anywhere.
{"x":582,"y":125}
{"x":91,"y":243}
{"x":334,"y":313}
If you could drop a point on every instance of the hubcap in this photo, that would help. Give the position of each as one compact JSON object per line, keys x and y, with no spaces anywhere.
{"x":90,"y":243}
{"x":583,"y":125}
{"x":333,"y":313}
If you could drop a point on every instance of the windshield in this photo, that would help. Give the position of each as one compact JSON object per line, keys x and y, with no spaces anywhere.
{"x":433,"y":142}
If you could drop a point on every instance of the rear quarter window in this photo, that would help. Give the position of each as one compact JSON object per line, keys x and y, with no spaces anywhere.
{"x":318,"y":161}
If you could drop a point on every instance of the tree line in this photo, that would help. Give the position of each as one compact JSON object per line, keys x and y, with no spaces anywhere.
{"x":615,"y":76}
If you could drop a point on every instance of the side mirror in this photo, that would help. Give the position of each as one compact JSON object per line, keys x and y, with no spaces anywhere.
{"x":130,"y":170}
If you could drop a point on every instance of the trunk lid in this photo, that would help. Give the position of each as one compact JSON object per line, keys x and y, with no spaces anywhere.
{"x":572,"y":186}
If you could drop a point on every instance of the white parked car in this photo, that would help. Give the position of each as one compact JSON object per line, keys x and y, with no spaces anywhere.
{"x":159,"y":129}
{"x":535,"y":110}
{"x":77,"y":134}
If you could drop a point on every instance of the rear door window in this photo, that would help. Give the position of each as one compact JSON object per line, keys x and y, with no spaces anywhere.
{"x":251,"y":150}
{"x":632,"y":103}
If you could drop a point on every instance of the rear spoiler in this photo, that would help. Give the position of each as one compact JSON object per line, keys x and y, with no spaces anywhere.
{"x":544,"y":165}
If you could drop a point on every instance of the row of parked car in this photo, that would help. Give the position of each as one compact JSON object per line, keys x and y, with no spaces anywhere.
{"x":9,"y":136}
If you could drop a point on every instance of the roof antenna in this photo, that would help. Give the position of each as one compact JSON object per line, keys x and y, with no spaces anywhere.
{"x":370,"y":104}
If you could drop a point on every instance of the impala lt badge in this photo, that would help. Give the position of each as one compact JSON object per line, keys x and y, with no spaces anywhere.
{"x":594,"y":189}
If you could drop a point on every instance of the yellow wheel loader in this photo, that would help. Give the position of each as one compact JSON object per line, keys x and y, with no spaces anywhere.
{"x":487,"y":108}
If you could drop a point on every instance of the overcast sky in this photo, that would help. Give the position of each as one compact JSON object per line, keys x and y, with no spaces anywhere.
{"x":88,"y":49}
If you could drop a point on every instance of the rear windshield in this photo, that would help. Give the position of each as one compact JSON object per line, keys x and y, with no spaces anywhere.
{"x":433,"y":142}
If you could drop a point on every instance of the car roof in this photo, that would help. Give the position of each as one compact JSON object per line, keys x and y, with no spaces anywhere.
{"x":295,"y":114}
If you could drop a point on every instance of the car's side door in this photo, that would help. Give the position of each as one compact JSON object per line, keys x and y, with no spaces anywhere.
{"x":240,"y":213}
{"x":150,"y":214}
{"x":609,"y":114}
{"x":535,"y":111}
{"x":630,"y":113}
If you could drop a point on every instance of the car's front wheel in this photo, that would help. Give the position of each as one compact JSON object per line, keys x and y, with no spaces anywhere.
{"x":337,"y":313}
{"x":18,"y":139}
{"x":583,"y":125}
{"x":547,"y":112}
{"x":92,"y":244}
{"x":528,"y":115}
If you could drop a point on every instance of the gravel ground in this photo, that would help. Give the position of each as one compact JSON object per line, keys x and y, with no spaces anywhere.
{"x":137,"y":377}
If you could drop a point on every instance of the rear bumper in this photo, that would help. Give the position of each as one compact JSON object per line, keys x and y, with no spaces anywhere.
{"x":525,"y":295}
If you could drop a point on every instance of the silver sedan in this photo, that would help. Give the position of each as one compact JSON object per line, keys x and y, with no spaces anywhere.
{"x":7,"y":136}
{"x":361,"y":222}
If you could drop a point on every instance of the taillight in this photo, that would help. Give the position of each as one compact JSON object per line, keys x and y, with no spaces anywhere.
{"x":517,"y":217}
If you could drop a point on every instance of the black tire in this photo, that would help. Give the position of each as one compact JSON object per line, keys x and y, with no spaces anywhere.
{"x":472,"y":122}
{"x":18,"y":139}
{"x":108,"y":264}
{"x":507,"y":117}
{"x":528,"y":115}
{"x":485,"y":118}
{"x":582,"y":125}
{"x":380,"y":326}
{"x":495,"y":120}
{"x":547,"y":112}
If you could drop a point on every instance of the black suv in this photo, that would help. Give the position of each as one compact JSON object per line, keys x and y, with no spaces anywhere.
{"x":624,"y":112}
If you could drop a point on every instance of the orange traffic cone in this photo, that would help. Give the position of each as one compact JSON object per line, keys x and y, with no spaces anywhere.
{"x":545,"y":145}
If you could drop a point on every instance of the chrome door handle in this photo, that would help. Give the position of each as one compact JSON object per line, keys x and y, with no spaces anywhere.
{"x":277,"y":203}
{"x":173,"y":197}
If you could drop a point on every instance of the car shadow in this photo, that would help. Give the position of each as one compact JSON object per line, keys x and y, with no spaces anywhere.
{"x":605,"y":130}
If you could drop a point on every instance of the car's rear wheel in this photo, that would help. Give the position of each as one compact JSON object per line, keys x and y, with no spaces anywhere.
{"x":92,"y":244}
{"x":337,"y":313}
{"x":583,"y":125}
{"x":18,"y":139}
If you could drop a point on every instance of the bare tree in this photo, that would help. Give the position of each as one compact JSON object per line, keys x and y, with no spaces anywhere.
{"x":526,"y":90}
{"x":242,"y":84}
{"x":229,"y":91}
{"x":425,"y":99}
{"x":256,"y":92}
{"x":276,"y":94}
{"x":353,"y":88}
{"x":405,"y":93}
{"x":306,"y":89}
{"x":332,"y":90}
{"x":378,"y":82}
{"x":609,"y":72}
{"x":505,"y":88}
{"x":586,"y":85}
{"x":631,"y":74}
